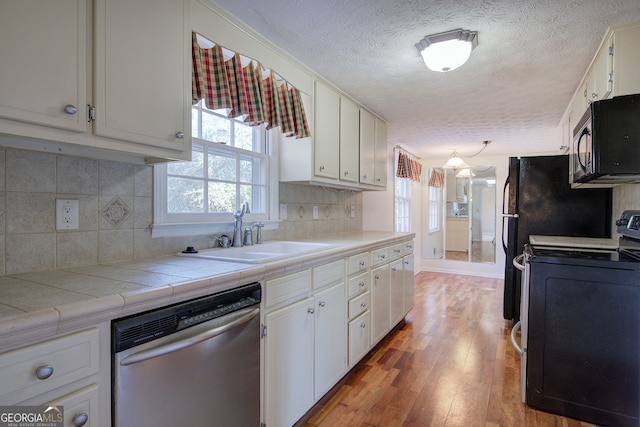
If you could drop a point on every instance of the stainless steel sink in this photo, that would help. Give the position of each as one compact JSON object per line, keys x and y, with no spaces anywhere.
{"x":262,"y":253}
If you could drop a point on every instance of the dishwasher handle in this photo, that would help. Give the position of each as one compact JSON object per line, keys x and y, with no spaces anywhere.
{"x":239,"y":318}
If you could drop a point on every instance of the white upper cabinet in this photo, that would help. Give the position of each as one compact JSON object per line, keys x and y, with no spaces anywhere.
{"x":43,"y":65}
{"x":327,"y":132}
{"x":380,"y":172}
{"x":367,"y":148}
{"x":126,"y":96}
{"x":141,"y":76}
{"x":349,"y":140}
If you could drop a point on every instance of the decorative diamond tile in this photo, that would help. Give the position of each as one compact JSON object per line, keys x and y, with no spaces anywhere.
{"x":116,"y":211}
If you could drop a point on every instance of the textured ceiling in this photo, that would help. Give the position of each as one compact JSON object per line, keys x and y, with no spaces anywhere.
{"x":513,"y":90}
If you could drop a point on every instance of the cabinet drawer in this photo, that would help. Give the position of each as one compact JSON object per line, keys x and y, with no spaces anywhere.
{"x":380,"y":256}
{"x":72,"y":357}
{"x":328,"y":274}
{"x":359,"y":338}
{"x":396,"y":251}
{"x":80,"y":405}
{"x":286,"y":287}
{"x":359,"y":262}
{"x":358,"y":305}
{"x":408,"y":247}
{"x":358,"y":285}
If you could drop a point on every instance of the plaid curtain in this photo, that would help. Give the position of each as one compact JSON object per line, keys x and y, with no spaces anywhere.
{"x":408,"y":167}
{"x":244,"y":93}
{"x":436,"y":179}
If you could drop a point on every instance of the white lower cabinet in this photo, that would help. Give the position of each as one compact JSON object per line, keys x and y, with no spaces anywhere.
{"x":289,"y":363}
{"x":396,"y":291}
{"x":359,"y":337}
{"x":408,"y":283}
{"x":330,"y":339}
{"x":305,"y":346}
{"x":70,"y":371}
{"x":380,"y":280}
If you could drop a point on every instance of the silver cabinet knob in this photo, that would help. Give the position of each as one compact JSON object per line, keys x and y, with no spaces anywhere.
{"x":394,"y":269}
{"x":321,"y":168}
{"x":311,"y":310}
{"x":80,"y":419}
{"x":364,"y":176}
{"x":70,"y":109}
{"x":346,"y":173}
{"x":406,"y":262}
{"x":383,"y":256}
{"x":43,"y":372}
{"x":180,"y":135}
{"x":321,"y":304}
{"x":377,"y":277}
{"x":361,"y":263}
{"x":363,"y":325}
{"x":361,"y":284}
{"x":363,"y":305}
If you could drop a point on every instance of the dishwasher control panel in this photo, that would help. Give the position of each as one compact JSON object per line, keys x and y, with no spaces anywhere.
{"x":144,"y":327}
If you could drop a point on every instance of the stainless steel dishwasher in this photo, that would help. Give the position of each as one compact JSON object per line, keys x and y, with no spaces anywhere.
{"x":195,"y":363}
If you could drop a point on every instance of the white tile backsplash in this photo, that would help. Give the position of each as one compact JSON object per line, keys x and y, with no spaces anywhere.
{"x":31,"y":181}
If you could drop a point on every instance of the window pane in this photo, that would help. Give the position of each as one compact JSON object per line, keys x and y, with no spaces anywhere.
{"x":250,"y":170}
{"x":185,"y":195}
{"x":245,"y":195}
{"x":243,"y":135}
{"x":222,"y":166}
{"x":258,"y":199}
{"x":193,"y":168}
{"x":222,"y":197}
{"x":216,"y":128}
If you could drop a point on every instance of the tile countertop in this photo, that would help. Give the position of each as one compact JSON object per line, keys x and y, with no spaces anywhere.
{"x":39,"y":305}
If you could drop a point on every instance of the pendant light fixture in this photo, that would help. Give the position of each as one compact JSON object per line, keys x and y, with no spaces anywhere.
{"x":456,"y":163}
{"x":448,"y":50}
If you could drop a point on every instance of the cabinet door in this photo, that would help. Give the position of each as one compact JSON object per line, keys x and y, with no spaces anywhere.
{"x":367,"y":148}
{"x":142,"y":72}
{"x":43,"y":65}
{"x":81,"y":406}
{"x":602,"y":80}
{"x":379,"y":303}
{"x":380,"y":172}
{"x":327,"y":132}
{"x":408,"y":283}
{"x":396,"y":290}
{"x":289,"y":363}
{"x":359,"y":337}
{"x":349,"y":140}
{"x":330,"y":338}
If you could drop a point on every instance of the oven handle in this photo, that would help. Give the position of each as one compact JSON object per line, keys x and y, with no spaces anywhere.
{"x":517,"y":262}
{"x":514,"y":340}
{"x":239,"y":318}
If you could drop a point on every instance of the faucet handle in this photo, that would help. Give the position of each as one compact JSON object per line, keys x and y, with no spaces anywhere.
{"x":247,"y":210}
{"x":258,"y":226}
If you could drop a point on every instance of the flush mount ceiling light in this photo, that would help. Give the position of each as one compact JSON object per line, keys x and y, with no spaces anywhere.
{"x":447,"y":51}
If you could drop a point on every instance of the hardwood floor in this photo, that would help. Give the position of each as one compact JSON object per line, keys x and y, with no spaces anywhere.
{"x":450,"y":364}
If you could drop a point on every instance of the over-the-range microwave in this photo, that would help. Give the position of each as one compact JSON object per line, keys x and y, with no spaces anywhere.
{"x":606,"y":142}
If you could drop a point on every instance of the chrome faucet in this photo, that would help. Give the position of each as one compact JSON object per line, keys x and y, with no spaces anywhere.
{"x":237,"y":227}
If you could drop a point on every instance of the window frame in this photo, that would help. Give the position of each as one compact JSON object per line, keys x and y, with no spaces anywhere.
{"x":174,"y":225}
{"x":435,"y":210}
{"x":402,"y":199}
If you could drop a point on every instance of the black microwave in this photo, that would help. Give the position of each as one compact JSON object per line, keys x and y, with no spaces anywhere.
{"x":606,"y":142}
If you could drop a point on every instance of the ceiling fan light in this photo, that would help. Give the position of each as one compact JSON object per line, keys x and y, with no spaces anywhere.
{"x":447,"y":51}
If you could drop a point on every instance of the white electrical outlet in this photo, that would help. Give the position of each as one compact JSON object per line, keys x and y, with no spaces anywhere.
{"x":353,"y":211}
{"x":315,"y":212}
{"x":67,"y":212}
{"x":283,"y":211}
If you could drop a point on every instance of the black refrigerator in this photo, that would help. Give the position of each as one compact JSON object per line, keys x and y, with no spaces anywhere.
{"x":538,"y":199}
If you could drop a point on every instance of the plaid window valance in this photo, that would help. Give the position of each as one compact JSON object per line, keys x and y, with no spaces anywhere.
{"x":436,"y":179}
{"x":246,"y":91}
{"x":408,"y":167}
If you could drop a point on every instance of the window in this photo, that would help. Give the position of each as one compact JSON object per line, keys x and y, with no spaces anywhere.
{"x":435,"y":201}
{"x":402,"y":204}
{"x":230,"y":165}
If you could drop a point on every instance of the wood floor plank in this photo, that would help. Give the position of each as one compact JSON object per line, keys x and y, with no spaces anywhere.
{"x":451,"y":364}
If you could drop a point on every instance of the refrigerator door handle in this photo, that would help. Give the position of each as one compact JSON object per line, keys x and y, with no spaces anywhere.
{"x":505,"y":215}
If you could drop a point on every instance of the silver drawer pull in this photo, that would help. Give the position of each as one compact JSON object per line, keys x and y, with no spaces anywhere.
{"x":361,"y":284}
{"x":44,"y":372}
{"x":361,"y":263}
{"x":383,"y":256}
{"x":377,"y":277}
{"x":321,"y":303}
{"x":363,"y":325}
{"x":394,"y":269}
{"x":180,"y":135}
{"x":80,"y":419}
{"x":311,"y":310}
{"x":396,"y":251}
{"x":406,"y":262}
{"x":363,"y":305}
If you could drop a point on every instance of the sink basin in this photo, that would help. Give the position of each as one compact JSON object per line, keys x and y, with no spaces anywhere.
{"x":258,"y":254}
